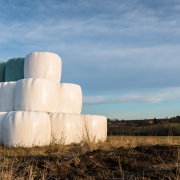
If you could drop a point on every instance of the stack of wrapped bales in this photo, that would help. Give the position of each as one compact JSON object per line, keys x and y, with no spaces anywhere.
{"x":36,"y":109}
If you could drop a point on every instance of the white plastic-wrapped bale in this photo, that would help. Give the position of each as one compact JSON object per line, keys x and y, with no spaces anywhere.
{"x":26,"y":129}
{"x":69,"y":98}
{"x":95,"y":128}
{"x":34,"y":94}
{"x":1,"y":120}
{"x":66,"y":128}
{"x":7,"y":96}
{"x":14,"y":69}
{"x":44,"y":65}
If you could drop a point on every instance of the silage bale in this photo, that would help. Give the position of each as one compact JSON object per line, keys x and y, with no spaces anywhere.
{"x":35,"y":94}
{"x":2,"y":71}
{"x":14,"y":70}
{"x":7,"y":96}
{"x":69,"y":98}
{"x":26,"y":129}
{"x":66,"y":128}
{"x":44,"y":65}
{"x":1,"y":120}
{"x":95,"y":128}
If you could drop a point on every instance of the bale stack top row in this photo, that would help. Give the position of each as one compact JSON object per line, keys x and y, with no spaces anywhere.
{"x":35,"y":65}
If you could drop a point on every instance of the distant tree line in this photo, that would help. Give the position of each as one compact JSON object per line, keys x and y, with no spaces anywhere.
{"x":159,"y":127}
{"x":145,"y":122}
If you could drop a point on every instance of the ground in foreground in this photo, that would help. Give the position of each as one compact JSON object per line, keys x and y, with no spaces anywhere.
{"x":92,"y":161}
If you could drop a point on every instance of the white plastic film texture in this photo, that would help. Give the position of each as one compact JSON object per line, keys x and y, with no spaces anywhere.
{"x":69,"y":98}
{"x":34,"y":94}
{"x":95,"y":128}
{"x":1,"y":120}
{"x":26,"y":129}
{"x":44,"y":65}
{"x":7,"y":96}
{"x":66,"y":128}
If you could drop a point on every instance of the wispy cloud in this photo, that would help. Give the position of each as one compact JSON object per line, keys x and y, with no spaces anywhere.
{"x":89,"y":22}
{"x":171,"y":94}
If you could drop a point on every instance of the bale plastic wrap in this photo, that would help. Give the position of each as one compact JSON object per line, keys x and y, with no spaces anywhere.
{"x":44,"y":65}
{"x":26,"y":129}
{"x":66,"y":128}
{"x":2,"y":71}
{"x":69,"y":98}
{"x":7,"y":96}
{"x":14,"y":69}
{"x":95,"y":128}
{"x":34,"y":94}
{"x":1,"y":120}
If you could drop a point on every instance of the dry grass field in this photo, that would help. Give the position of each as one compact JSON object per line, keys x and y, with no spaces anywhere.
{"x":149,"y":130}
{"x":120,"y":157}
{"x":133,"y":141}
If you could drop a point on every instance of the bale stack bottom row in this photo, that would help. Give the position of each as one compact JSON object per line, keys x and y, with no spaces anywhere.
{"x":38,"y":110}
{"x":28,"y":128}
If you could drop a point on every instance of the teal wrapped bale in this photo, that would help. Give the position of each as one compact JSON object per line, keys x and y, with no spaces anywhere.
{"x":2,"y":71}
{"x":14,"y":69}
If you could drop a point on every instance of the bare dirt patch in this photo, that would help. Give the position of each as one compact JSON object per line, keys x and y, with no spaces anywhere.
{"x":141,"y":162}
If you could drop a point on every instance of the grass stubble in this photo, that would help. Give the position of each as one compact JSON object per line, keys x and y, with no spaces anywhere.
{"x":20,"y":163}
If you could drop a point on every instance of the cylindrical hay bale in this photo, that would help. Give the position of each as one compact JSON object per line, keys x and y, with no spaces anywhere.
{"x":95,"y":128}
{"x":44,"y":65}
{"x":14,"y":70}
{"x":26,"y":129}
{"x":2,"y":71}
{"x":66,"y":128}
{"x":7,"y":96}
{"x":1,"y":120}
{"x":34,"y":94}
{"x":69,"y":98}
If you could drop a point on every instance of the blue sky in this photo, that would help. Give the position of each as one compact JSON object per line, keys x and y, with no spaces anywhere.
{"x":125,"y":55}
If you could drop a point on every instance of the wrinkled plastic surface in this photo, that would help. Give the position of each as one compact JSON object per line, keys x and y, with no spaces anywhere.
{"x":68,"y":128}
{"x":44,"y":65}
{"x":1,"y":120}
{"x":7,"y":96}
{"x":2,"y":71}
{"x":14,"y":69}
{"x":69,"y":98}
{"x":34,"y":94}
{"x":26,"y":129}
{"x":95,"y":128}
